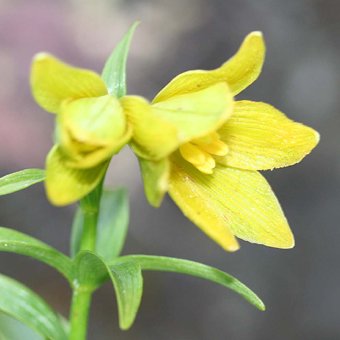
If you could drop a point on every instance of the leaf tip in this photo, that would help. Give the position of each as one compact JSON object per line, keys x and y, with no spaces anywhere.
{"x":125,"y":325}
{"x":136,"y":23}
{"x":260,"y":305}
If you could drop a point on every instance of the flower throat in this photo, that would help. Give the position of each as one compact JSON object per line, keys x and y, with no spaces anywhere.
{"x":200,"y":152}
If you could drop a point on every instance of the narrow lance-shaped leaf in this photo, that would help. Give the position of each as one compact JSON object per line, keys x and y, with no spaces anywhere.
{"x":89,"y":270}
{"x":112,"y":223}
{"x":15,"y":242}
{"x":168,"y":264}
{"x":20,"y":180}
{"x":11,"y":328}
{"x":112,"y":227}
{"x":128,"y":284}
{"x":24,"y":305}
{"x":114,"y":72}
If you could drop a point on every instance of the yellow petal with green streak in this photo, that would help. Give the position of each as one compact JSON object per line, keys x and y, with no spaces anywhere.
{"x":199,"y":113}
{"x":238,"y":72}
{"x":53,"y":81}
{"x":65,"y":185}
{"x":155,"y":176}
{"x":196,"y":202}
{"x":153,"y":137}
{"x":160,"y":128}
{"x":97,"y":154}
{"x":260,"y":137}
{"x":230,"y":202}
{"x":91,"y":130}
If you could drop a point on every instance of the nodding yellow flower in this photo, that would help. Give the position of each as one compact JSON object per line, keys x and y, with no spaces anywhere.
{"x":193,"y":140}
{"x":91,"y":127}
{"x":204,"y":148}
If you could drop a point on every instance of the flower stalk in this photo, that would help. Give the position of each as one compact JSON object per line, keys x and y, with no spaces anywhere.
{"x":82,"y":295}
{"x":90,"y":208}
{"x":80,"y":307}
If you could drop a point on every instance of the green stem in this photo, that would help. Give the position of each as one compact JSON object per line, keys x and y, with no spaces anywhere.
{"x":88,"y":240}
{"x":90,"y":207}
{"x":81,"y":301}
{"x":81,"y":298}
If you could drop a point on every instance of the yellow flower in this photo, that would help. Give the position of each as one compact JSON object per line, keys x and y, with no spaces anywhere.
{"x":193,"y":141}
{"x":91,"y":127}
{"x":203,"y":147}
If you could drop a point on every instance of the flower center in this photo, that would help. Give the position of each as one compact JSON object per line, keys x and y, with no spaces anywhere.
{"x":200,"y":152}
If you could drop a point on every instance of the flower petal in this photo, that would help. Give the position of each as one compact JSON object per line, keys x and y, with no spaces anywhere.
{"x":52,"y":81}
{"x":260,"y":137}
{"x":160,"y":128}
{"x":199,"y":113}
{"x":155,"y":177}
{"x":153,"y":138}
{"x":91,"y":130}
{"x":66,"y":185}
{"x":195,"y":201}
{"x":230,"y":201}
{"x":91,"y":158}
{"x":238,"y":72}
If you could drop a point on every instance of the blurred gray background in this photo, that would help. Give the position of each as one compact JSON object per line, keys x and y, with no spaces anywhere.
{"x":301,"y":286}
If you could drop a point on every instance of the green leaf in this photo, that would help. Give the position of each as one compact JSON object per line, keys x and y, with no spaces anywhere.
{"x":89,"y":270}
{"x":24,"y":305}
{"x":168,"y":264}
{"x":11,"y":329}
{"x":114,"y":72}
{"x":113,"y":223}
{"x":112,"y":227}
{"x":15,"y":242}
{"x":77,"y":231}
{"x":20,"y":180}
{"x":128,"y":284}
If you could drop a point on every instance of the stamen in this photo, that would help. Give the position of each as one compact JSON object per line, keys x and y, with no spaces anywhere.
{"x":200,"y":151}
{"x":192,"y":153}
{"x":208,"y":166}
{"x":217,"y":148}
{"x":205,"y":169}
{"x":206,"y":139}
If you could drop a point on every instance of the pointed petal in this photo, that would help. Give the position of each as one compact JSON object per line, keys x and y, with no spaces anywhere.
{"x":229,"y":201}
{"x":260,"y":137}
{"x":155,"y":176}
{"x":52,"y":81}
{"x":66,"y":185}
{"x":196,"y":202}
{"x":238,"y":72}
